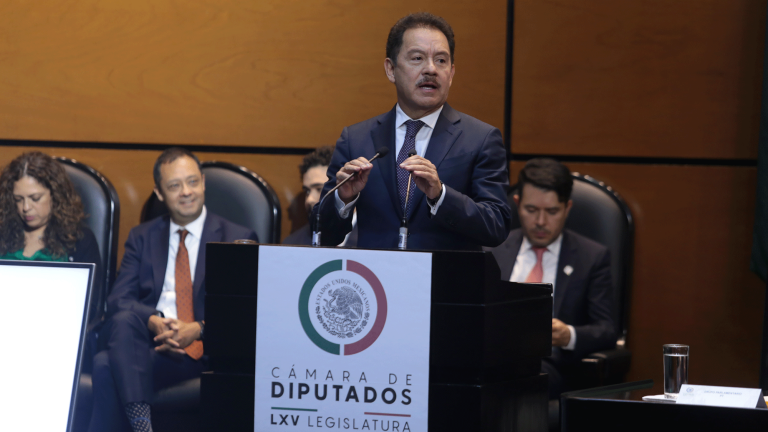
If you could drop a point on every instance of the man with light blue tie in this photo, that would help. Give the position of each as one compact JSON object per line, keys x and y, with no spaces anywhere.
{"x":541,"y":251}
{"x":457,"y":199}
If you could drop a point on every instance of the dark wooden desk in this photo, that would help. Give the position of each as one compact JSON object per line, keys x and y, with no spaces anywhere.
{"x":620,"y":407}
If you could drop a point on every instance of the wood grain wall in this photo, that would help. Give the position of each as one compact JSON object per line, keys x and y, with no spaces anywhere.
{"x":642,"y":78}
{"x":660,"y":100}
{"x":275,"y":74}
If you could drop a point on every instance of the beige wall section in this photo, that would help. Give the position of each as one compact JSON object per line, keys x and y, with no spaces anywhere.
{"x":285,"y":73}
{"x":130,"y":172}
{"x":692,"y":283}
{"x":638,"y":78}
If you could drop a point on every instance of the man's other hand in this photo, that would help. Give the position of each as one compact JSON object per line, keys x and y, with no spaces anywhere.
{"x":561,"y":334}
{"x":157,"y":325}
{"x":425,"y":175}
{"x":349,"y":191}
{"x":179,"y":335}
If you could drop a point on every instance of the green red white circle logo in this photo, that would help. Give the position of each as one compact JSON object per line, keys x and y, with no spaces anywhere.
{"x":342,"y":307}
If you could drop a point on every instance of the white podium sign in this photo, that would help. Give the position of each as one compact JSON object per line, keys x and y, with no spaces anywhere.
{"x":342,"y":339}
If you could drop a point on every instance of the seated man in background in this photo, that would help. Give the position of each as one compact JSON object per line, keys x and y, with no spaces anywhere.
{"x":577,"y":267}
{"x":154,"y":331}
{"x":313,"y":170}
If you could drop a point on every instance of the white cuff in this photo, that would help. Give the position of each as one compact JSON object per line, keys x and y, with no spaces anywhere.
{"x":342,"y":208}
{"x":572,"y":344}
{"x":433,"y":210}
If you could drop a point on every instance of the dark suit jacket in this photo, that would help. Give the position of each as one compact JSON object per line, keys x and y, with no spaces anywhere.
{"x":140,"y":281}
{"x":471,"y":162}
{"x":583,"y":299}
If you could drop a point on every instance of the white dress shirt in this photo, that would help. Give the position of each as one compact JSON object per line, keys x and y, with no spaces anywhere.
{"x":422,"y":142}
{"x":346,"y":237}
{"x":526,"y":260}
{"x":167,"y":303}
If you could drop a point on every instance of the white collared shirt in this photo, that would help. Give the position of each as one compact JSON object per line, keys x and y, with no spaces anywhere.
{"x":422,"y":142}
{"x":526,"y":260}
{"x":346,"y":237}
{"x":167,"y":302}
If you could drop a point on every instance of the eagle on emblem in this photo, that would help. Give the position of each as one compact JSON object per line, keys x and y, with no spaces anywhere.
{"x":345,"y":302}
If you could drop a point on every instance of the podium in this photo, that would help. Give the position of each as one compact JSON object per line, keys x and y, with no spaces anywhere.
{"x":486,"y":341}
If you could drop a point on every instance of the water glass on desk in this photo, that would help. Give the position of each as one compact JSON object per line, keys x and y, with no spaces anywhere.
{"x":675,"y":368}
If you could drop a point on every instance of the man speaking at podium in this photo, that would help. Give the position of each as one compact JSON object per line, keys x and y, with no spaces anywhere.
{"x":458,"y":164}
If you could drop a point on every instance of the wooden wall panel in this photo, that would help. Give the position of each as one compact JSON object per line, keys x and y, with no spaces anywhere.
{"x":638,"y":78}
{"x":284,"y":73}
{"x":130,"y":171}
{"x":692,"y":283}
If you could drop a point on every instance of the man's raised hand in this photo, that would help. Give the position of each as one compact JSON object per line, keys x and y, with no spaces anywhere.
{"x":350,"y":189}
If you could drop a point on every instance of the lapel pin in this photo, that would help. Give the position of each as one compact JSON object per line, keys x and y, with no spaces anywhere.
{"x":567,"y":270}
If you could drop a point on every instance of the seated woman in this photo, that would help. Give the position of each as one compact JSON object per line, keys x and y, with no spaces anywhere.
{"x":41,"y":216}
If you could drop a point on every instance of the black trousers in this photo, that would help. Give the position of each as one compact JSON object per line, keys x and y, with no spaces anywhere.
{"x":128,"y":369}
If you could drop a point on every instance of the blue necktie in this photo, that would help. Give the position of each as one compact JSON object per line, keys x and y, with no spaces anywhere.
{"x":412,"y":127}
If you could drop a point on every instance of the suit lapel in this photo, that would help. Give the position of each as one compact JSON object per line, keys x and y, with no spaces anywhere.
{"x":211,"y":233}
{"x":443,"y":138}
{"x":384,"y":136}
{"x":567,"y":254}
{"x":160,"y":241}
{"x":510,"y":249}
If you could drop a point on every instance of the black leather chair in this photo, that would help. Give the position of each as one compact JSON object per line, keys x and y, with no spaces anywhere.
{"x":243,"y":197}
{"x":237,"y":194}
{"x":600,"y":214}
{"x":102,"y":205}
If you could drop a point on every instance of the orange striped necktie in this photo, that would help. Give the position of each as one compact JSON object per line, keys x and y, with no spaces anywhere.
{"x":185,"y":308}
{"x":537,"y":273}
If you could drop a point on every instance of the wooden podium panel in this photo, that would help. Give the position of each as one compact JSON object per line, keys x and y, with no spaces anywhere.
{"x":487,"y":338}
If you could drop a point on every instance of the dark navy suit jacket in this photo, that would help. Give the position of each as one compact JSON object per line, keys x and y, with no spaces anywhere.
{"x":471,"y":162}
{"x":583,"y":299}
{"x":140,"y":281}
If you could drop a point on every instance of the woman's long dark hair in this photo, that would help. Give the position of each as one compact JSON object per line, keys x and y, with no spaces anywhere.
{"x":64,"y":224}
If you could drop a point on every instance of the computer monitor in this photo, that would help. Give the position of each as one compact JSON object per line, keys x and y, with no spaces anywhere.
{"x":43,"y":314}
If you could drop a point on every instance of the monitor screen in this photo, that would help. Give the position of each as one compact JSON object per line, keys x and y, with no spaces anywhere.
{"x":43,"y":312}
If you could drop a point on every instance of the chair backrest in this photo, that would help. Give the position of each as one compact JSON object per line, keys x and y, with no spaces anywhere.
{"x":102,"y":205}
{"x":600,"y":214}
{"x":236,"y":194}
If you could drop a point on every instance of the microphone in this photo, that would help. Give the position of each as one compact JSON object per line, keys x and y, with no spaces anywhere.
{"x":402,"y":240}
{"x":382,"y":152}
{"x":316,"y":233}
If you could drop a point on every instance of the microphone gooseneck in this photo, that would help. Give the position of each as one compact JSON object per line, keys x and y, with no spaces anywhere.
{"x":402,"y":238}
{"x":316,"y":234}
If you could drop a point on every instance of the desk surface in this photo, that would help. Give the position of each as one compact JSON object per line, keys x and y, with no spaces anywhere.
{"x":621,"y":406}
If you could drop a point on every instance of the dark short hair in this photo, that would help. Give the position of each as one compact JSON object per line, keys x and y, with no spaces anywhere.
{"x":319,"y":157}
{"x":417,"y":20}
{"x":547,"y":174}
{"x":169,"y":156}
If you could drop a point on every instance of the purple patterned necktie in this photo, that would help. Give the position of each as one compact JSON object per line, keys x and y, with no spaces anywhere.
{"x":412,"y":128}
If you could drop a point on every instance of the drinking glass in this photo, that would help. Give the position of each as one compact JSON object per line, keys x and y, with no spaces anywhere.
{"x":675,"y":368}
